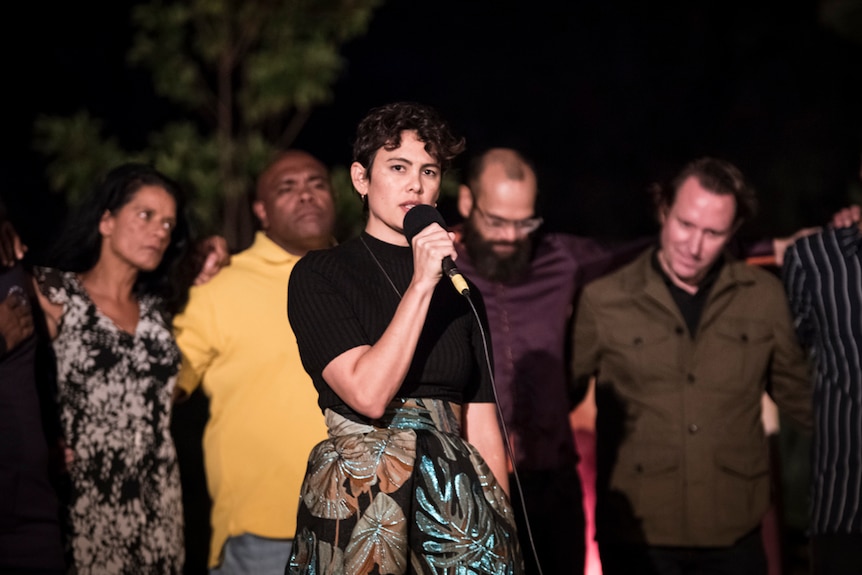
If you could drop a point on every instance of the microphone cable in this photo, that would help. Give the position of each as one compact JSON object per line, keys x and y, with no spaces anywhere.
{"x":510,"y":452}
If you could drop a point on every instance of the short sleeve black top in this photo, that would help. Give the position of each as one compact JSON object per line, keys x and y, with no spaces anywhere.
{"x":344,"y":297}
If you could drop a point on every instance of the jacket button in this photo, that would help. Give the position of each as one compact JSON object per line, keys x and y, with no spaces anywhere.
{"x":744,"y":337}
{"x":693,"y":428}
{"x":679,"y":330}
{"x":639,"y":468}
{"x":690,"y":378}
{"x":638,"y":341}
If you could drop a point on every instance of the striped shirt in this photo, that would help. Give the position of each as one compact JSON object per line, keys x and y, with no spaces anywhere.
{"x":823,"y":277}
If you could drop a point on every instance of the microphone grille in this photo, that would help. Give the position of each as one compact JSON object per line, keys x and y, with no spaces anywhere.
{"x":420,"y":217}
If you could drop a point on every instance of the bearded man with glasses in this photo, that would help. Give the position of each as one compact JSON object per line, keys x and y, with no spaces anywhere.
{"x":529,"y":281}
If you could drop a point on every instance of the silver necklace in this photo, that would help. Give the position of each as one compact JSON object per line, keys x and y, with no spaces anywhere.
{"x":374,"y":257}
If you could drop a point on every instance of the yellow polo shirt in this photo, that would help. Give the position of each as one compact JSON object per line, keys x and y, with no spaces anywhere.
{"x":237,"y":342}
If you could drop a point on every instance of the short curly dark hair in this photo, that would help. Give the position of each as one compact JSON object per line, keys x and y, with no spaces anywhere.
{"x":382,"y":127}
{"x":719,"y":177}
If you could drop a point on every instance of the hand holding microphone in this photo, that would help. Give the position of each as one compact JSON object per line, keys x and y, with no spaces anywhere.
{"x":417,"y":219}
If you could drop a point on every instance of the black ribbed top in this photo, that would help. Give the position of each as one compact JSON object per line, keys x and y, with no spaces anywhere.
{"x":339,"y":298}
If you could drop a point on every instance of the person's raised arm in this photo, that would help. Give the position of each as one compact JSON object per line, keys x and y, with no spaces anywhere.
{"x":843,"y":218}
{"x":16,"y":321}
{"x":780,"y":245}
{"x":12,"y":248}
{"x":214,"y":255}
{"x":846,"y":217}
{"x":367,"y":377}
{"x":53,"y":312}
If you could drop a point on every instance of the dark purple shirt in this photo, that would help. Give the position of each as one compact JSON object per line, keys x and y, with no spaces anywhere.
{"x":529,"y":321}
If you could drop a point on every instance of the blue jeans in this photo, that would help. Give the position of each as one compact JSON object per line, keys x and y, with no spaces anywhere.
{"x":249,"y":554}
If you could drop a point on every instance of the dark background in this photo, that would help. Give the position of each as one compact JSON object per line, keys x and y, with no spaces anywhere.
{"x":606,"y":96}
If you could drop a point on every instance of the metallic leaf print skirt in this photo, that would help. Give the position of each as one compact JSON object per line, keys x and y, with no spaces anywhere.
{"x":405,"y":495}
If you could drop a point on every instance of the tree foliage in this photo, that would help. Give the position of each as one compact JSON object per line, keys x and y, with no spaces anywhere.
{"x":244,"y":76}
{"x":844,"y":17}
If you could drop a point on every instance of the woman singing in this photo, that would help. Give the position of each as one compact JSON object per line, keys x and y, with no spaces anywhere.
{"x":413,"y":476}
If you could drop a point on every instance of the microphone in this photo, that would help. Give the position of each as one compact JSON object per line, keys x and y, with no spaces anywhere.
{"x":417,"y":219}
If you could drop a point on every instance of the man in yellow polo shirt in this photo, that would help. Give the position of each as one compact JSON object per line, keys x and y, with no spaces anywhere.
{"x":236,"y":341}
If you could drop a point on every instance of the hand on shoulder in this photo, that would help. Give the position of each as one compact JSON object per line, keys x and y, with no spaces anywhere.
{"x":215,"y":255}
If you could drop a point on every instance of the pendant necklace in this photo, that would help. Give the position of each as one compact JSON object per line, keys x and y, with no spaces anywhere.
{"x":374,"y":257}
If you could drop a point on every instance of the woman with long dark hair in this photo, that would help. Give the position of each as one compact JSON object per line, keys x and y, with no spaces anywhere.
{"x":104,"y":300}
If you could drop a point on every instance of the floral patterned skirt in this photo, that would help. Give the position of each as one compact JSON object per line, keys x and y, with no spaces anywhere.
{"x":405,"y":495}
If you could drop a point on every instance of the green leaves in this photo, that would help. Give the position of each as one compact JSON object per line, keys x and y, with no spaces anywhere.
{"x":244,"y":76}
{"x":80,"y":152}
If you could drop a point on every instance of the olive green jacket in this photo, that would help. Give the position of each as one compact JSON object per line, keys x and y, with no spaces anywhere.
{"x":682,"y":455}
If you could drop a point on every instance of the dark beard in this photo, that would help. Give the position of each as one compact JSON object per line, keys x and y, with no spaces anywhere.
{"x":492,"y":266}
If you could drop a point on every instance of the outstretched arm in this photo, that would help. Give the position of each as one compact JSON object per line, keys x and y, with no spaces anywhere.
{"x":780,"y":245}
{"x":214,"y":255}
{"x":846,"y":217}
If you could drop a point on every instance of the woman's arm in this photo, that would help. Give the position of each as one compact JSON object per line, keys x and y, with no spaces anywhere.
{"x":482,"y":430}
{"x":53,"y":311}
{"x":367,"y":377}
{"x":16,"y":320}
{"x":12,"y":249}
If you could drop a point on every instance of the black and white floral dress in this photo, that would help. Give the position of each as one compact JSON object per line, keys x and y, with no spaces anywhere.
{"x":114,"y":393}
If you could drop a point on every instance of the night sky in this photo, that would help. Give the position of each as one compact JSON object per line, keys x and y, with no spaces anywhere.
{"x":606,"y":96}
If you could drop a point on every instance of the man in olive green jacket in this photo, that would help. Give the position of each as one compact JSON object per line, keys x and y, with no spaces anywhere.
{"x":683,"y":342}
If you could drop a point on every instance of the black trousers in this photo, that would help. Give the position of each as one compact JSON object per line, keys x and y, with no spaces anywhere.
{"x":555,"y":509}
{"x":745,"y":557}
{"x":838,"y":554}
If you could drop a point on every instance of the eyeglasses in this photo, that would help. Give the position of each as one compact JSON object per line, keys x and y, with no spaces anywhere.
{"x":525,"y":226}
